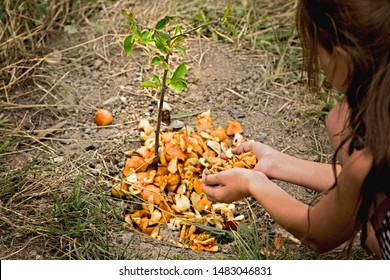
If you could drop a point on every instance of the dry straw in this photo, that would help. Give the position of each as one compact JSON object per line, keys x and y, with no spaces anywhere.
{"x":25,"y":27}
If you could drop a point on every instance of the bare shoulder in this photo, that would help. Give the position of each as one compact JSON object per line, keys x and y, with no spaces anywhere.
{"x":357,"y":165}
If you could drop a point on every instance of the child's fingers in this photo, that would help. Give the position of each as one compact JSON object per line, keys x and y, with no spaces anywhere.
{"x":211,"y":179}
{"x":209,"y":191}
{"x":243,"y":148}
{"x":206,"y":179}
{"x":215,"y":193}
{"x":224,"y":156}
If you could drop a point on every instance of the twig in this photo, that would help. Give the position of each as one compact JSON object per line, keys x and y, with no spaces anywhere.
{"x":285,"y":149}
{"x":6,"y":93}
{"x":34,"y":139}
{"x":236,"y":93}
{"x":185,"y":115}
{"x":55,"y":84}
{"x":197,"y":27}
{"x":281,"y":108}
{"x":274,"y":95}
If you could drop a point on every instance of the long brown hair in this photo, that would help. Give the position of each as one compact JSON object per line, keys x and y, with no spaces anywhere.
{"x":362,"y":29}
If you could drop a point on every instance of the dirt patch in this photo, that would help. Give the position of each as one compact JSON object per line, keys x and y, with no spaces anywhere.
{"x":55,"y":125}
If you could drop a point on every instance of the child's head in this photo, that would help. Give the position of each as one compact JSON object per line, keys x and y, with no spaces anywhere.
{"x":360,"y":27}
{"x":358,"y":30}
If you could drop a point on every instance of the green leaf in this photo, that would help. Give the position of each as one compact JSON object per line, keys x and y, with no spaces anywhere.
{"x":128,"y":44}
{"x":160,"y":46}
{"x":146,"y":36}
{"x":149,"y":84}
{"x":162,"y":37}
{"x":178,"y":85}
{"x":179,"y":73}
{"x":177,"y":30}
{"x":161,"y":42}
{"x":137,"y":34}
{"x":164,"y":22}
{"x":177,"y":40}
{"x":157,"y":80}
{"x":181,"y":50}
{"x":165,"y":66}
{"x":157,"y":60}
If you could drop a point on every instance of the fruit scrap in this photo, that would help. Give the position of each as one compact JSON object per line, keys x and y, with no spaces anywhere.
{"x":204,"y":121}
{"x":198,"y":242}
{"x":203,"y":242}
{"x":102,"y":117}
{"x":135,"y":163}
{"x":172,"y":192}
{"x":146,"y":127}
{"x":234,"y":127}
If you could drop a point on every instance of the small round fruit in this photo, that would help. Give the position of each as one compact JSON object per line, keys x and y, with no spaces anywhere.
{"x":102,"y":117}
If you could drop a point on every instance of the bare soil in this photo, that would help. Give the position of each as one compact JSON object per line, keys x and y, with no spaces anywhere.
{"x":231,"y":80}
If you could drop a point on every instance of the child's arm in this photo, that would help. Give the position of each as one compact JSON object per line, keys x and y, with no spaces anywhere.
{"x":325,"y":226}
{"x":332,"y":219}
{"x":280,"y":166}
{"x":309,"y":174}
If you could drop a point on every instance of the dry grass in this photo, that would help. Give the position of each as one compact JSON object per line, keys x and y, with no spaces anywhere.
{"x":26,"y":27}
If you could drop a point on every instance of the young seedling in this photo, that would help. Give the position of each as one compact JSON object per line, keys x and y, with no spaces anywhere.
{"x":162,"y":41}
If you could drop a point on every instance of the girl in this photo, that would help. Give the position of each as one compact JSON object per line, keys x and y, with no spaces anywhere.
{"x":350,"y":42}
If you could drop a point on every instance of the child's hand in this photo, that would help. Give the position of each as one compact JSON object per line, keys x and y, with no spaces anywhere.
{"x":265,"y":155}
{"x":231,"y":185}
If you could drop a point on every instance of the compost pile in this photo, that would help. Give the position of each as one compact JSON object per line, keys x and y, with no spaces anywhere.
{"x":170,"y":193}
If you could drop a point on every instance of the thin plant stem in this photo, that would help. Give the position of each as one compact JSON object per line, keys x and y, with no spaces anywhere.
{"x":160,"y":112}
